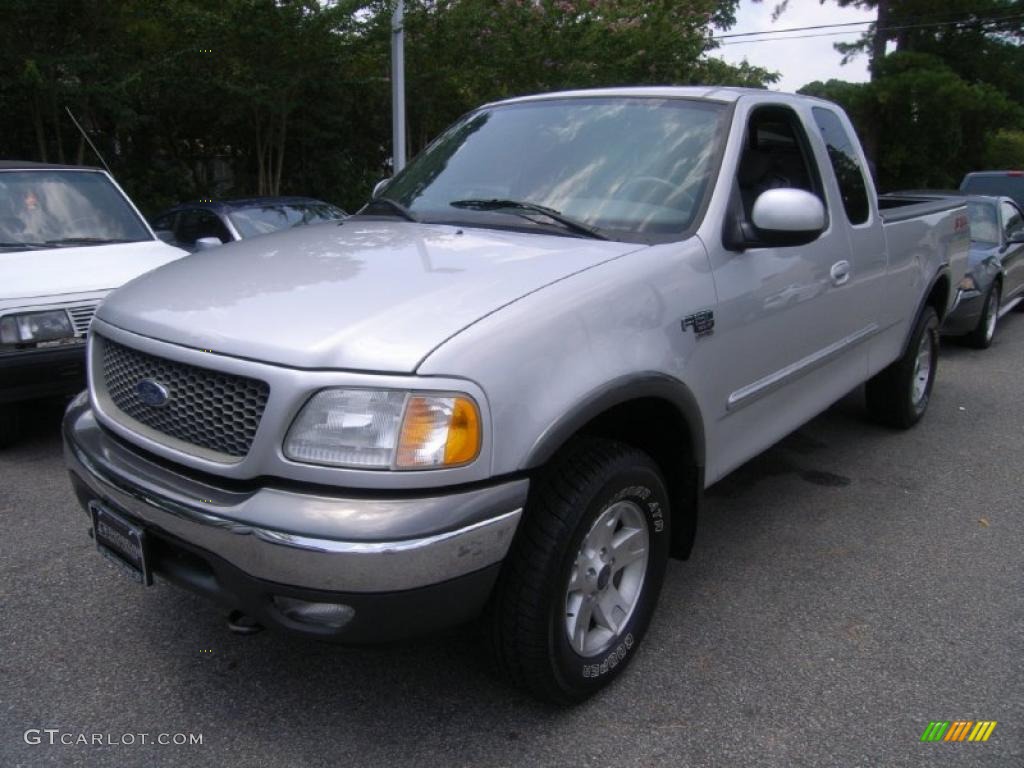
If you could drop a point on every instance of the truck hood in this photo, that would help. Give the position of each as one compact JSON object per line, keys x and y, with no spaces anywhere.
{"x":58,"y":271}
{"x":360,"y":295}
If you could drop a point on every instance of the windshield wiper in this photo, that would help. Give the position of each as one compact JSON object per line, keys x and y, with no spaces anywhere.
{"x":87,"y":241}
{"x":495,"y":204}
{"x":395,"y":206}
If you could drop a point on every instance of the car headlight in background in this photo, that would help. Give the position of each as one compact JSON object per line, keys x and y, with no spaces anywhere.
{"x":385,"y":429}
{"x":34,"y":327}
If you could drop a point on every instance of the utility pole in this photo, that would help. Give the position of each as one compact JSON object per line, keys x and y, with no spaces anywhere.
{"x":398,"y":85}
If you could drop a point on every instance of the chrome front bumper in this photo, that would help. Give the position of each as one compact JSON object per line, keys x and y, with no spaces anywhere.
{"x":307,"y":538}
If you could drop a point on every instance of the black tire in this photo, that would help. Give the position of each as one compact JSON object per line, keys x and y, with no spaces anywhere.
{"x":10,"y":425}
{"x":891,"y":393}
{"x":528,"y":618}
{"x":981,"y":337}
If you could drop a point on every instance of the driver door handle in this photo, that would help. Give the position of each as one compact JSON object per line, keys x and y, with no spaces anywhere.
{"x":840,"y":272}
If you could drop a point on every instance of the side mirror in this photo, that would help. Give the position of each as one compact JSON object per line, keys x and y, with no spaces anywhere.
{"x":166,"y":235}
{"x":786,"y":217}
{"x":379,"y":187}
{"x":206,"y":243}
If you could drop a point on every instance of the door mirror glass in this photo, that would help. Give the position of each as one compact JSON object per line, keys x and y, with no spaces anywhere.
{"x":379,"y":187}
{"x":788,"y":216}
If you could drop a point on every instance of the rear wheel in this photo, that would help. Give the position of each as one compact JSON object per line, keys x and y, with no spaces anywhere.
{"x":981,"y":337}
{"x":898,"y":396}
{"x":10,"y":425}
{"x":579,"y":586}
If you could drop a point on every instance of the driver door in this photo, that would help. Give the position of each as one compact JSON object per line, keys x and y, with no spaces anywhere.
{"x":785,"y":318}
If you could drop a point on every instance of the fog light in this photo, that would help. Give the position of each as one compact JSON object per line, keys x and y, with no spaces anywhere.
{"x":333,"y":615}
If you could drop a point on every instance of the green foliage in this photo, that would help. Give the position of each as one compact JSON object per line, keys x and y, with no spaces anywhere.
{"x":187,"y":98}
{"x":934,"y":122}
{"x":1004,"y":150}
{"x":462,"y":53}
{"x":947,"y":99}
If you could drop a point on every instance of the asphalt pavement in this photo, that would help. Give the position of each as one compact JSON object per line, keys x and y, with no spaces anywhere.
{"x":848,"y":586}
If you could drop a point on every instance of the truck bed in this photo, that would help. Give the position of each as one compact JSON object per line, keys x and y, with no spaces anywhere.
{"x":900,"y":206}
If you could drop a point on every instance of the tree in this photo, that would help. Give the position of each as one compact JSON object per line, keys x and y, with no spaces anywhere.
{"x":1004,"y":150}
{"x":186,"y":98}
{"x":462,"y":53}
{"x":936,"y":122}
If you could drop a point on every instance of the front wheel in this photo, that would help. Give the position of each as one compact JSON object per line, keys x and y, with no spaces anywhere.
{"x":898,"y":396}
{"x":580,"y":584}
{"x":981,"y":337}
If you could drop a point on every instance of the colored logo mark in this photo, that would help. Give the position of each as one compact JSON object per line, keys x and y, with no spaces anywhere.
{"x":958,"y":730}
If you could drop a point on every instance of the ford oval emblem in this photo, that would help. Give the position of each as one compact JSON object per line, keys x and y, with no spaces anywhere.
{"x":152,"y":393}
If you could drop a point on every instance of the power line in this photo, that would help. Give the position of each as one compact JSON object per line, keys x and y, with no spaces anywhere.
{"x":933,"y":20}
{"x":962,"y":22}
{"x":792,"y":29}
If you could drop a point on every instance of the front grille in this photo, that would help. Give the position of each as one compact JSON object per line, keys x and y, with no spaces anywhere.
{"x":81,"y":316}
{"x":216,"y":411}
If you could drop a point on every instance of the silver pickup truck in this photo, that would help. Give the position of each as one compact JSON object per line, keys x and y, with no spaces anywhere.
{"x":503,"y":386}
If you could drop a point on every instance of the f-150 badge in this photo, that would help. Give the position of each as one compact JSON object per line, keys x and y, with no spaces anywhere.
{"x":703,"y":323}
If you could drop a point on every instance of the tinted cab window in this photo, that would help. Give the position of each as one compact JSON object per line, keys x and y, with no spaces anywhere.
{"x":845,"y":164}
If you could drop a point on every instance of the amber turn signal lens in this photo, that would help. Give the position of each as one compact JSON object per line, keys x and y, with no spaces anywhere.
{"x":438,"y":431}
{"x":463,"y":441}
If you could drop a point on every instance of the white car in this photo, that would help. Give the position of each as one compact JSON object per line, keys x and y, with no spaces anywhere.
{"x":68,"y":236}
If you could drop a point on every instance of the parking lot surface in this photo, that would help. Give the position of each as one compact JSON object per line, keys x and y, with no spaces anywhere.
{"x":848,"y":586}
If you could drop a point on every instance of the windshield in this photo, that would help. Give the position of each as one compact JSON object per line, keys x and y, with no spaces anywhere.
{"x":630,"y":168}
{"x":270,"y":217}
{"x":984,"y":223}
{"x":996,"y":184}
{"x":65,"y":208}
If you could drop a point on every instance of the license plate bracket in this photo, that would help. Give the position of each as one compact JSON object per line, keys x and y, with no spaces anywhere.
{"x":122,"y":542}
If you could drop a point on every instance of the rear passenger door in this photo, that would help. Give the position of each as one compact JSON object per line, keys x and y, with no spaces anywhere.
{"x":861,"y":296}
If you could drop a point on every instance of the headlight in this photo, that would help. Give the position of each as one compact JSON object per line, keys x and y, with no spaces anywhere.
{"x":35,"y":327}
{"x":968,"y":284}
{"x":385,"y":429}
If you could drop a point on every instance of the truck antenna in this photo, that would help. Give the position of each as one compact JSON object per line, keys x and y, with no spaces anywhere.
{"x":86,"y":137}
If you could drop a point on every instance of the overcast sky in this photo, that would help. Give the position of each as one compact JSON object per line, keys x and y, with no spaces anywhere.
{"x":798,"y":61}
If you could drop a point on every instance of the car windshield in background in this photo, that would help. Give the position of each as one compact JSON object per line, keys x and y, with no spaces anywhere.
{"x":1007,"y":184}
{"x":628,"y":168}
{"x":984,"y":223}
{"x":264,"y":219}
{"x":64,"y":208}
